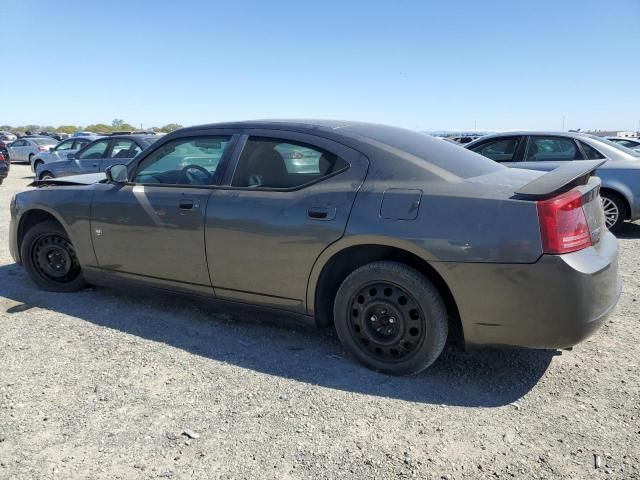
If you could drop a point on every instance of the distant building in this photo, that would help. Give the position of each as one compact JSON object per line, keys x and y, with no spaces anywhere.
{"x":627,"y":134}
{"x":614,"y":133}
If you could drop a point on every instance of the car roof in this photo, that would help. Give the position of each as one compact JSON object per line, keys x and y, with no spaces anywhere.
{"x":358,"y":131}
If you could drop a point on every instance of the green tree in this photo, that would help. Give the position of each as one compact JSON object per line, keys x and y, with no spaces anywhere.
{"x":117,"y":123}
{"x":127,"y":127}
{"x":67,"y":129}
{"x":99,"y":128}
{"x":170,"y":127}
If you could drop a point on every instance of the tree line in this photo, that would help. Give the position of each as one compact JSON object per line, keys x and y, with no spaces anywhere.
{"x":116,"y":125}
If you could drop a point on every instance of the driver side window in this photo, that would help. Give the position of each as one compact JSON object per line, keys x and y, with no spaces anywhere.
{"x":187,"y":161}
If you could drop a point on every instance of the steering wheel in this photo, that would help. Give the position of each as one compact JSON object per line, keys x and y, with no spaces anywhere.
{"x":204,"y":179}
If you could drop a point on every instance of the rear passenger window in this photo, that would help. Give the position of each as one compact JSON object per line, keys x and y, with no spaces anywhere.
{"x":590,"y":152}
{"x":272,"y":163}
{"x":501,"y":150}
{"x":552,"y":149}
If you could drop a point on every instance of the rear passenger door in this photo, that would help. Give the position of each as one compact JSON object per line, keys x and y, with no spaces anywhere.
{"x":547,"y":152}
{"x":89,"y":159}
{"x":122,"y":150}
{"x":286,"y":197}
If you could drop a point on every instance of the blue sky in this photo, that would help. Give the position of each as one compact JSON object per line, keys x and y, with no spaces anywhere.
{"x":424,"y":65}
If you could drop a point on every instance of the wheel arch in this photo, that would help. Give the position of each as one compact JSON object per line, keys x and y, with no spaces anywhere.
{"x":621,"y":193}
{"x":34,"y":216}
{"x":621,"y":196}
{"x":338,"y":261}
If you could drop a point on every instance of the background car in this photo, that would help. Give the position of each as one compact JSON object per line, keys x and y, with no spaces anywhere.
{"x":546,"y":151}
{"x":4,"y":167}
{"x":25,"y":148}
{"x":632,"y":143}
{"x":96,"y":156}
{"x":61,"y":150}
{"x":4,"y":149}
{"x":7,"y":137}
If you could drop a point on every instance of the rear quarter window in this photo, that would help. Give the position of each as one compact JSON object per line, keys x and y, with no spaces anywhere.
{"x":447,"y":156}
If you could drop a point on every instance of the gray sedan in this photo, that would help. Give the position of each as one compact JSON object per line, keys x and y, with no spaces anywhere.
{"x":24,"y":149}
{"x":546,"y":151}
{"x":61,"y":151}
{"x":632,"y":143}
{"x":96,"y":156}
{"x":400,"y":240}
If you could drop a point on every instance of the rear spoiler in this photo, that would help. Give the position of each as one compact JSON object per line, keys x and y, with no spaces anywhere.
{"x":562,"y":178}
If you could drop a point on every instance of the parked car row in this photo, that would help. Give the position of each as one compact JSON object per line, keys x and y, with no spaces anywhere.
{"x":94,"y":156}
{"x":546,"y":151}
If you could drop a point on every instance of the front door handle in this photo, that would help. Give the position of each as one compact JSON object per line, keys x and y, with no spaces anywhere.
{"x":185,"y":204}
{"x":320,"y":212}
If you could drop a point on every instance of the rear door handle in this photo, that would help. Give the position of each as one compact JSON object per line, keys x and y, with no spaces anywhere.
{"x":319,"y":212}
{"x":186,"y":204}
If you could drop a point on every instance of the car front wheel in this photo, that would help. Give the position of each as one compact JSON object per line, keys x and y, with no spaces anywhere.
{"x":50,"y":258}
{"x":391,"y":318}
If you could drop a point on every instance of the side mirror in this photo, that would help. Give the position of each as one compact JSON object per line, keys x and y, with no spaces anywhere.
{"x":117,"y":173}
{"x":71,"y":156}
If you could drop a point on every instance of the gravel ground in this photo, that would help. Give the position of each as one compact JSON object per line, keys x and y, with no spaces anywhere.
{"x":106,"y":384}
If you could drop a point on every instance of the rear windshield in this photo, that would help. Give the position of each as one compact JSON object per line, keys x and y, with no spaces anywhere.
{"x":450,"y":157}
{"x":44,"y":141}
{"x":616,"y":145}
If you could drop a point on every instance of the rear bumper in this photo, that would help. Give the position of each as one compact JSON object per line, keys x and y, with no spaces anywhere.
{"x":554,"y":303}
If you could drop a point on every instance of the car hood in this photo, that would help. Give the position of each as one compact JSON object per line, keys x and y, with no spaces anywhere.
{"x":87,"y":179}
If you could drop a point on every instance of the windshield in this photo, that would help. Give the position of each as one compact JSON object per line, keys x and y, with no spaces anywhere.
{"x":44,"y":141}
{"x":626,"y":150}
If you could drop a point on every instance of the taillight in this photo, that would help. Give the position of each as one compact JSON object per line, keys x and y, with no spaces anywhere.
{"x":563,"y":224}
{"x":2,"y":157}
{"x":42,"y":149}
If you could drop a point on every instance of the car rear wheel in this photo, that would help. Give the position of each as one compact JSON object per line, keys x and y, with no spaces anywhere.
{"x":50,"y":258}
{"x":31,"y":158}
{"x":46,"y":176}
{"x":614,"y":210}
{"x":391,"y":318}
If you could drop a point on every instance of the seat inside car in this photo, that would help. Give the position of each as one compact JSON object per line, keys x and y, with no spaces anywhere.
{"x":265,"y":167}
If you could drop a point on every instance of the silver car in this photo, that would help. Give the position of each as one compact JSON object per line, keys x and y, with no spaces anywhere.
{"x":7,"y":137}
{"x":632,"y":143}
{"x":546,"y":151}
{"x":24,"y":149}
{"x":60,"y":151}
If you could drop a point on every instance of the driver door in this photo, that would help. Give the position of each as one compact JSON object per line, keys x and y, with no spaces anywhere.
{"x":152,"y":228}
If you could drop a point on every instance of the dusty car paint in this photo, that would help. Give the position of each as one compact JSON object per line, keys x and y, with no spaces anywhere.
{"x":481,"y":239}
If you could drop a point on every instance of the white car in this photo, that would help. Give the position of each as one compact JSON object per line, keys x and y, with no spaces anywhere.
{"x":7,"y":137}
{"x":632,"y":143}
{"x":25,"y":148}
{"x":60,"y":151}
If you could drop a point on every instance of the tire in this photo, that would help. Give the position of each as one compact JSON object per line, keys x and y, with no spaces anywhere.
{"x":50,"y":260}
{"x":46,"y":175}
{"x":391,"y":318}
{"x":36,"y":164}
{"x":30,"y":158}
{"x":614,"y":210}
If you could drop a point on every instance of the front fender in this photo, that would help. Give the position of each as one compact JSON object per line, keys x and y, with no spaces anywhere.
{"x":70,"y":207}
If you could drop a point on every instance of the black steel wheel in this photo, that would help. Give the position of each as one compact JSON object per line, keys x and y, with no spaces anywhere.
{"x":50,"y":258}
{"x":391,"y":318}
